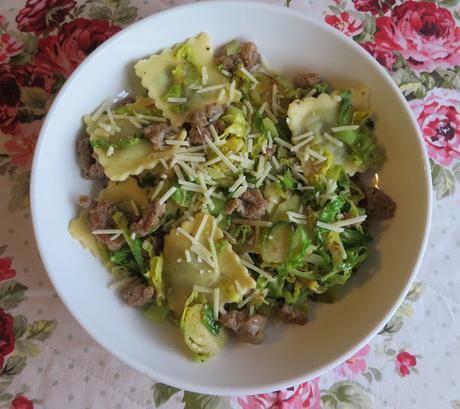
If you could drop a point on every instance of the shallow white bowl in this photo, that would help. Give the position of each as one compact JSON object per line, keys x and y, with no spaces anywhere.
{"x":290,"y":42}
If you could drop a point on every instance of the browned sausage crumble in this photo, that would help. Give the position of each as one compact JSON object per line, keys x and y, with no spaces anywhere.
{"x":137,"y":294}
{"x":100,"y":218}
{"x":379,"y":205}
{"x":250,"y":205}
{"x":247,"y":328}
{"x":149,"y":220}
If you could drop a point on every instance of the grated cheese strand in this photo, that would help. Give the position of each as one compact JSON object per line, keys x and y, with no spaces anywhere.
{"x":283,"y":143}
{"x":167,"y":195}
{"x":330,"y":227}
{"x":217,"y":151}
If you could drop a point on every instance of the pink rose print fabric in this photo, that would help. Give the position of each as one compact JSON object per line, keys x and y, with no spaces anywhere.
{"x":438,"y":116}
{"x":304,"y":396}
{"x":425,"y":34}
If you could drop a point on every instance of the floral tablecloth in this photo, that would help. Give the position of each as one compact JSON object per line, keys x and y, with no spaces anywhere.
{"x":48,"y":361}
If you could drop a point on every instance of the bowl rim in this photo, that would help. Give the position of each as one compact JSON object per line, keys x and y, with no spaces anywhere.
{"x":191,"y":385}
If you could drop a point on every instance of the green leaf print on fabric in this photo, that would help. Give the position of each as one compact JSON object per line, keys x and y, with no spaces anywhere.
{"x":443,"y":181}
{"x":14,"y":365}
{"x":162,"y":393}
{"x":11,"y":294}
{"x":117,"y":11}
{"x":346,"y":395}
{"x":198,"y":401}
{"x":19,"y":196}
{"x":19,"y":326}
{"x":40,"y":330}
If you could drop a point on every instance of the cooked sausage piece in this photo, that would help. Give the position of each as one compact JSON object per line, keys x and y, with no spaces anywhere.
{"x":248,"y":329}
{"x":306,"y":80}
{"x":149,"y":220}
{"x":100,"y":218}
{"x":200,"y":121}
{"x":157,"y":133}
{"x":90,"y":167}
{"x":247,"y":55}
{"x":137,"y":294}
{"x":251,"y":204}
{"x":292,"y":315}
{"x":378,"y":204}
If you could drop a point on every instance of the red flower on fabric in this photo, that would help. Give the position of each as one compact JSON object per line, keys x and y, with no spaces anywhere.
{"x":63,"y":52}
{"x":374,"y":6}
{"x":39,"y":16}
{"x":12,"y":78}
{"x":6,"y":271}
{"x":6,"y":333}
{"x":21,"y":147}
{"x":425,"y":35}
{"x":9,"y":47}
{"x":10,"y":95}
{"x":404,"y":361}
{"x":438,"y":116}
{"x":345,"y":23}
{"x":21,"y":402}
{"x":384,"y":57}
{"x":305,"y":396}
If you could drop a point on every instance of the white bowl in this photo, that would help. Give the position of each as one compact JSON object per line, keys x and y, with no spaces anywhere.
{"x":290,"y":42}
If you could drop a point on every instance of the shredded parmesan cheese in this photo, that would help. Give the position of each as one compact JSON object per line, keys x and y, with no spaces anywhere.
{"x":177,"y":143}
{"x":330,"y":227}
{"x":257,"y":270}
{"x":167,"y":195}
{"x":177,"y":100}
{"x":332,"y":140}
{"x":250,"y":222}
{"x":110,"y":151}
{"x":211,"y":88}
{"x":249,"y":106}
{"x":300,"y":144}
{"x":217,"y":151}
{"x":237,"y":183}
{"x":283,"y":143}
{"x":106,"y":231}
{"x":204,"y":75}
{"x":135,"y":209}
{"x":216,"y":300}
{"x":99,"y":111}
{"x":249,"y":76}
{"x":345,"y":128}
{"x":202,"y":289}
{"x":350,"y":222}
{"x":157,"y":190}
{"x":200,"y":228}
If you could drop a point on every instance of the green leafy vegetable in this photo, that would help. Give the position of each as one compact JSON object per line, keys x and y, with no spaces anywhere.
{"x":269,"y":126}
{"x":208,"y":320}
{"x":298,"y":248}
{"x":330,"y":211}
{"x":345,"y":108}
{"x":240,"y":232}
{"x":183,"y":197}
{"x":186,"y":53}
{"x":321,"y":88}
{"x":236,"y":123}
{"x":155,"y":277}
{"x":124,"y":258}
{"x":134,"y":245}
{"x":288,"y":180}
{"x":174,"y":91}
{"x":124,"y":143}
